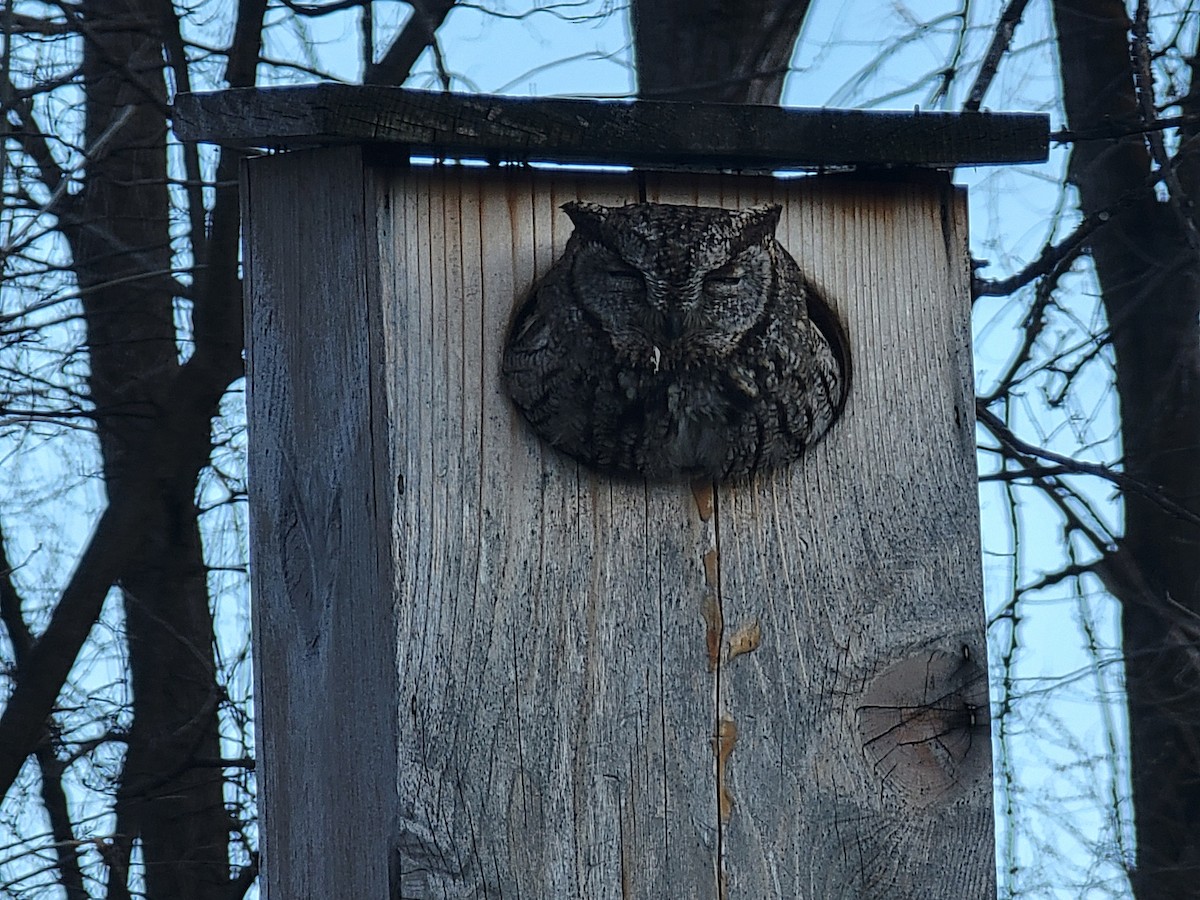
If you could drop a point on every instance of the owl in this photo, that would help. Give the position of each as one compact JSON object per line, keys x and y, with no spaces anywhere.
{"x":676,"y":343}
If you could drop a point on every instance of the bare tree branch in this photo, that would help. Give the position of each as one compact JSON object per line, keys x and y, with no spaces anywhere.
{"x":1068,"y":464}
{"x":417,"y":34}
{"x":1144,"y":83}
{"x":1001,"y":39}
{"x":42,"y":673}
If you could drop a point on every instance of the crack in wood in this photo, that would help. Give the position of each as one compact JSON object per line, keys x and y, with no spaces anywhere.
{"x":723,"y":745}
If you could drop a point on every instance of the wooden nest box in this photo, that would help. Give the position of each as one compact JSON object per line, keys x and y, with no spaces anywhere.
{"x":484,"y":669}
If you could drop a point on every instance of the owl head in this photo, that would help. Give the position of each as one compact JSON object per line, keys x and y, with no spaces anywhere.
{"x":672,"y":286}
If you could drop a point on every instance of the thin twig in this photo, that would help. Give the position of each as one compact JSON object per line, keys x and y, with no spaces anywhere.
{"x":1005,"y":436}
{"x":123,"y":116}
{"x":1143,"y":78}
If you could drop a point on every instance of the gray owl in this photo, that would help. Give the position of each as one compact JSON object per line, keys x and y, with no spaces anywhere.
{"x":677,"y":342}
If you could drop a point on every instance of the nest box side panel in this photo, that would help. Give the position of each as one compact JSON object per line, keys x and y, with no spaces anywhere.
{"x":321,"y":567}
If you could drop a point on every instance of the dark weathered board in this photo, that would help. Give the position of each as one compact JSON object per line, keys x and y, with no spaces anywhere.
{"x":653,"y":134}
{"x":321,"y":570}
{"x":485,"y":671}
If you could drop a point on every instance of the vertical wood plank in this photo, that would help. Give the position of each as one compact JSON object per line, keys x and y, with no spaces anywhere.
{"x":325,"y":679}
{"x":855,"y":577}
{"x":677,"y":693}
{"x":555,"y":692}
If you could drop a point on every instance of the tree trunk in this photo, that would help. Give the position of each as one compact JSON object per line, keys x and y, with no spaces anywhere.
{"x":1148,"y":273}
{"x":731,"y":52}
{"x":119,"y":232}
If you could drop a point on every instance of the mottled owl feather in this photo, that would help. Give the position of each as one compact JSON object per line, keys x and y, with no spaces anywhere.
{"x":677,"y":342}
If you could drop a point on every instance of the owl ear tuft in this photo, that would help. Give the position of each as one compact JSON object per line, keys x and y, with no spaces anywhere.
{"x":584,"y":215}
{"x":759,"y":222}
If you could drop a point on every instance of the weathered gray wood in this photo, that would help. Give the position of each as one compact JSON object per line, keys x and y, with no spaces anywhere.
{"x":321,"y":564}
{"x":587,"y":687}
{"x":555,"y":701}
{"x":652,"y":134}
{"x":574,"y":720}
{"x":861,"y":766}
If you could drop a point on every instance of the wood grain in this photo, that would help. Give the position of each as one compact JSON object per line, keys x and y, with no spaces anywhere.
{"x":647,"y":133}
{"x":860,"y":567}
{"x":574,"y":720}
{"x":486,"y":671}
{"x":321,"y":567}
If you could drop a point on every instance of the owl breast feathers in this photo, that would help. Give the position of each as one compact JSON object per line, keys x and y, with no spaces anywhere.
{"x":677,"y":342}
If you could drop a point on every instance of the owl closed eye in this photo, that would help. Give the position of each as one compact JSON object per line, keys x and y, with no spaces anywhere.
{"x":676,"y":342}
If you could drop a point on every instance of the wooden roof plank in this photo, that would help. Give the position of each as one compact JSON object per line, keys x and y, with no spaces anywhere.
{"x":658,"y":134}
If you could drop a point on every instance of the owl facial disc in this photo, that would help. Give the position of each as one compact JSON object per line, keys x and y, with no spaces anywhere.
{"x":677,"y":342}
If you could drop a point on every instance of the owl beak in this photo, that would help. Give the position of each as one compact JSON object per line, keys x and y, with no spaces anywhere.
{"x":673,"y":326}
